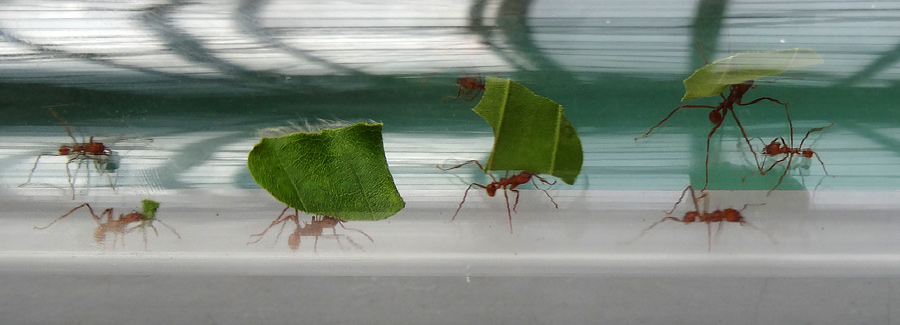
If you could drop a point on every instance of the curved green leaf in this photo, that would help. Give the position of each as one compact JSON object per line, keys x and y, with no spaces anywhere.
{"x":341,"y":173}
{"x":713,"y":78}
{"x":530,"y":132}
{"x":148,"y":209}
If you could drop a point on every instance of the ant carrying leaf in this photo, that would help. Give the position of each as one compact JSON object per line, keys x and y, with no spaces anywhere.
{"x":123,"y":225}
{"x":314,"y":228}
{"x":738,"y":73}
{"x":506,"y":183}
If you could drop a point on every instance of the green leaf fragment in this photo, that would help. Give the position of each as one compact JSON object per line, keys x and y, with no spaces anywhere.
{"x":713,"y":78}
{"x":341,"y":173}
{"x":530,"y":132}
{"x":148,"y":209}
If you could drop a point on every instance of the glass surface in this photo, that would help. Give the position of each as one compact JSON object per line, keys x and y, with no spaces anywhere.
{"x":178,"y":92}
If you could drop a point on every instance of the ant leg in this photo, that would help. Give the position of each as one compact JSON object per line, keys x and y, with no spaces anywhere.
{"x":679,"y":200}
{"x":545,"y":191}
{"x":167,"y":226}
{"x":463,"y":164}
{"x":464,"y":198}
{"x":70,"y":212}
{"x":651,"y":227}
{"x":357,"y":230}
{"x":66,"y":125}
{"x":706,"y":163}
{"x":743,"y":133}
{"x":822,"y":163}
{"x":670,"y":115}
{"x":33,"y":168}
{"x":811,"y":131}
{"x":480,"y":90}
{"x":517,"y":198}
{"x":786,"y":112}
{"x":277,"y":220}
{"x":789,"y":158}
{"x":506,"y":196}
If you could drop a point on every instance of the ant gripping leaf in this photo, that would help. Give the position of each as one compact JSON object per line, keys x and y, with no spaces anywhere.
{"x":342,"y":172}
{"x":531,"y":133}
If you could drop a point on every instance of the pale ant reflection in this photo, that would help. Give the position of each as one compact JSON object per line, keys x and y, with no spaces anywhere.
{"x":126,"y":223}
{"x":315,"y":228}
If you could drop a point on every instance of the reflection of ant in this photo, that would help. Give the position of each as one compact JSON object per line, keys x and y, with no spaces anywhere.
{"x":469,"y":84}
{"x":776,"y":148}
{"x":119,"y":227}
{"x":719,"y":112}
{"x":505,"y":183}
{"x":720,"y":216}
{"x":313,"y":229}
{"x":94,"y":151}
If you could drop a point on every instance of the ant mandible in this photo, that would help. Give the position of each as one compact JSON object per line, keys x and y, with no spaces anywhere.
{"x":118,"y":227}
{"x":469,"y":85}
{"x":720,"y":216}
{"x":506,"y":183}
{"x":95,"y":151}
{"x":313,"y":229}
{"x":719,"y":112}
{"x":776,"y":148}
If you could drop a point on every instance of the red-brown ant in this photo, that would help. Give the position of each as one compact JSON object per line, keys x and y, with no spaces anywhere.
{"x":776,"y":148}
{"x":91,"y":150}
{"x":118,"y":227}
{"x":469,"y":85}
{"x":719,"y":112}
{"x":312,"y":229}
{"x":506,"y":183}
{"x":720,"y":216}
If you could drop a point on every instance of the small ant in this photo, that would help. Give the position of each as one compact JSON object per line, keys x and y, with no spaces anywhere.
{"x":719,"y":112}
{"x":469,"y":85}
{"x":506,"y":183}
{"x":776,"y":148}
{"x":119,"y":227}
{"x":94,"y":151}
{"x":720,"y":216}
{"x":312,"y":229}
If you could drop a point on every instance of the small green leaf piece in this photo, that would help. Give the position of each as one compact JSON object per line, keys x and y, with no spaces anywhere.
{"x":148,"y":209}
{"x":713,"y":78}
{"x":530,"y":132}
{"x":341,"y":173}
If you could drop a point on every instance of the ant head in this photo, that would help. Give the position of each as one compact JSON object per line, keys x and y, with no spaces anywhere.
{"x":715,"y":117}
{"x":100,"y":233}
{"x":492,"y":189}
{"x":732,"y":215}
{"x":772,"y":148}
{"x":64,"y":150}
{"x":741,"y":88}
{"x":294,"y":240}
{"x":807,"y":153}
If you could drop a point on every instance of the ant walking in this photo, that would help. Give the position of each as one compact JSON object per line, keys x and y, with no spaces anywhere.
{"x":469,"y":85}
{"x":506,"y":183}
{"x":720,"y":216}
{"x":91,"y":150}
{"x":314,"y":228}
{"x":119,"y":227}
{"x":719,"y":112}
{"x":776,"y":148}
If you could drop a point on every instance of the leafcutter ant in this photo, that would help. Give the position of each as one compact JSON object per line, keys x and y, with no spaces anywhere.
{"x":94,"y":151}
{"x":720,"y":216}
{"x":779,"y":147}
{"x":468,"y":85}
{"x":121,"y":226}
{"x":314,"y":228}
{"x":720,"y":112}
{"x":506,"y":183}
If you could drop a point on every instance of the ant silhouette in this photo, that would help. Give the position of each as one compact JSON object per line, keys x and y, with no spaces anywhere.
{"x":720,"y":216}
{"x":96,"y":152}
{"x":719,"y":112}
{"x":776,"y":148}
{"x":314,"y":228}
{"x":119,"y":227}
{"x":469,"y":85}
{"x":506,"y":183}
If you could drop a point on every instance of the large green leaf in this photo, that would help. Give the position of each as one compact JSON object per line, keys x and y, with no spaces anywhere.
{"x":713,"y":78}
{"x":530,"y":132}
{"x":341,"y":173}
